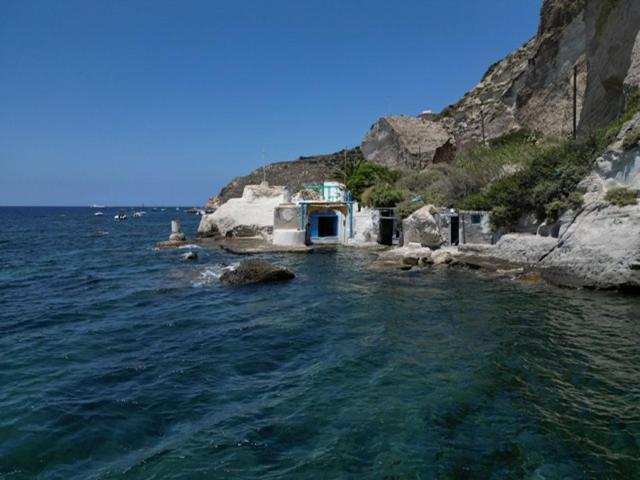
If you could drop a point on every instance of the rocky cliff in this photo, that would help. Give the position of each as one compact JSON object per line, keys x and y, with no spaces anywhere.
{"x":531,"y":88}
{"x":294,"y":174}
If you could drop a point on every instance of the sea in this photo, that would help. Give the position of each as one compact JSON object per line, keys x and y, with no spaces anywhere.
{"x":122,"y":361}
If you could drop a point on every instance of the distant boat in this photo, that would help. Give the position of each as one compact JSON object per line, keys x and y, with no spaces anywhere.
{"x":139,"y":214}
{"x":97,"y":206}
{"x":98,"y":214}
{"x":120,"y":217}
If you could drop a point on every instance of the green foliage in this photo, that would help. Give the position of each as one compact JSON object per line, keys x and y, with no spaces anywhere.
{"x":381,"y":195}
{"x":544,"y":185}
{"x":605,"y":136}
{"x":631,"y":140}
{"x":554,"y":208}
{"x":503,"y":216}
{"x":407,"y":207}
{"x":575,"y":201}
{"x":370,"y":174}
{"x":351,"y":162}
{"x":622,"y":197}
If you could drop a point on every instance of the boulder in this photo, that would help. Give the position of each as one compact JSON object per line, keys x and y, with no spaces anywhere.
{"x":255,"y":271}
{"x":189,"y":256}
{"x":249,"y":216}
{"x":421,"y":227}
{"x":408,"y":142}
{"x":522,"y":248}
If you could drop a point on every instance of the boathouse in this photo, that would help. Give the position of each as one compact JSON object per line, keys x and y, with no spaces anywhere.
{"x":326,"y":219}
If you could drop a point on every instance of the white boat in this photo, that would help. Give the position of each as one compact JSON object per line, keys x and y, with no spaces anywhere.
{"x":120,"y":216}
{"x":139,"y":214}
{"x":97,"y":206}
{"x":98,"y":214}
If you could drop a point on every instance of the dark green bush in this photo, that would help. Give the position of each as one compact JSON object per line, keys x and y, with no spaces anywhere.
{"x":368,"y":175}
{"x":407,"y":207}
{"x":631,"y":140}
{"x":575,"y":201}
{"x":622,"y":197}
{"x":381,"y":195}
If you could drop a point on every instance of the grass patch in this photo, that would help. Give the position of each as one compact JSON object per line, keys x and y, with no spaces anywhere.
{"x":622,"y":197}
{"x":631,"y":140}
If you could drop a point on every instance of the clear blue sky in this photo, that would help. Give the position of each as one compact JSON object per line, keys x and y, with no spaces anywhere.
{"x":125,"y":102}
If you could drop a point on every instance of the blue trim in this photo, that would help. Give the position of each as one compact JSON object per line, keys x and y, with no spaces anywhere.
{"x":302,"y":215}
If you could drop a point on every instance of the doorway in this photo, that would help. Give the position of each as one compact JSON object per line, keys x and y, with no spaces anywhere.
{"x":328,"y":226}
{"x":455,"y":230}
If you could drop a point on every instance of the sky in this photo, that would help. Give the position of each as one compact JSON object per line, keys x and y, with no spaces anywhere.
{"x":163,"y":102}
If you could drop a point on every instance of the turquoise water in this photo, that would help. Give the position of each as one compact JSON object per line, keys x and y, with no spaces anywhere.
{"x":120,"y":361}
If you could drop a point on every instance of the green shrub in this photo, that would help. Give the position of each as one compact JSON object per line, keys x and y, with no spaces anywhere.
{"x":544,"y":185}
{"x":622,"y":197}
{"x":554,"y":209}
{"x":631,"y":140}
{"x":368,"y":175}
{"x":605,"y":136}
{"x":575,"y":200}
{"x":407,"y":207}
{"x":503,"y":216}
{"x":381,"y":195}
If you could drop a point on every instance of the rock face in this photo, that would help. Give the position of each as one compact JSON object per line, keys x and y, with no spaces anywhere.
{"x":421,"y":228}
{"x":516,"y":248}
{"x":613,"y":59}
{"x":249,"y":216}
{"x":408,"y":142}
{"x":531,"y":88}
{"x":601,"y":249}
{"x":255,"y":271}
{"x":295,"y":174}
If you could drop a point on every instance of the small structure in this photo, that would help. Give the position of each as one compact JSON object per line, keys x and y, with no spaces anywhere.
{"x":176,"y":233}
{"x":459,"y":227}
{"x":327,"y":220}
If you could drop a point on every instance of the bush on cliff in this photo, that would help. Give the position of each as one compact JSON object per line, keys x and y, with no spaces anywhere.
{"x":622,"y":197}
{"x":370,"y":174}
{"x":544,"y":185}
{"x":381,"y":195}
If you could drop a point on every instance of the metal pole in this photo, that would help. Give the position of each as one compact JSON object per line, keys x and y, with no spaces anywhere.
{"x":484,"y":138}
{"x":345,"y":166}
{"x":575,"y":101}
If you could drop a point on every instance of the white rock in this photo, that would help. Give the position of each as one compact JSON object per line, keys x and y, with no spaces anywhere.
{"x":600,"y":249}
{"x":421,"y":227}
{"x":251,"y":215}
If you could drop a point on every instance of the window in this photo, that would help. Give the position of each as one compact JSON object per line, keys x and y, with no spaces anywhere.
{"x":476,"y":219}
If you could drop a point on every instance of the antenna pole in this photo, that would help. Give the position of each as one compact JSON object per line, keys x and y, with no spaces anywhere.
{"x":575,"y":101}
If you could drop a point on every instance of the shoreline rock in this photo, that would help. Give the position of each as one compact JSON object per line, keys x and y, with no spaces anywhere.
{"x":255,"y":271}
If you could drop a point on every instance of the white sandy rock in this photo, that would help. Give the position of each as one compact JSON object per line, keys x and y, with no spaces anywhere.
{"x":251,"y":215}
{"x":601,"y":249}
{"x":421,"y":227}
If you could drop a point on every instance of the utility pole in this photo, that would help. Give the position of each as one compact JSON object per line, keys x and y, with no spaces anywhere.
{"x":264,"y":168}
{"x":575,"y":101}
{"x":484,"y":137}
{"x":344,"y":169}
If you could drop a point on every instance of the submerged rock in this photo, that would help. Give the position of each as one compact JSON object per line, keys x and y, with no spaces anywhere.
{"x":189,"y":256}
{"x":255,"y":271}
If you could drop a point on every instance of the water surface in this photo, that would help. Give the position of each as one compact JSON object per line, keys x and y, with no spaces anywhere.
{"x":121,"y":361}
